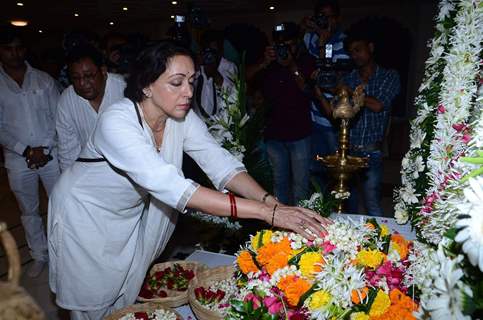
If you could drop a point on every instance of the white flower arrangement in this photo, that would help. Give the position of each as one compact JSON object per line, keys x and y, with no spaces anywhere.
{"x":408,"y":197}
{"x":224,"y":222}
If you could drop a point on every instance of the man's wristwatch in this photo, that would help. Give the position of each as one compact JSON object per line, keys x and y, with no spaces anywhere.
{"x":26,"y":152}
{"x":296,"y":73}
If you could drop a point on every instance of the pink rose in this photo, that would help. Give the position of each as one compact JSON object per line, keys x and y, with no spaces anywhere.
{"x":441,"y":109}
{"x":273,"y":304}
{"x":254,"y":299}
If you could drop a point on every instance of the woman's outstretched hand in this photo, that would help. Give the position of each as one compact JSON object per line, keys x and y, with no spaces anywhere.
{"x":300,"y":220}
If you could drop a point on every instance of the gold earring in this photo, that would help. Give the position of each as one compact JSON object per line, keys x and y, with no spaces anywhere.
{"x":147,"y":93}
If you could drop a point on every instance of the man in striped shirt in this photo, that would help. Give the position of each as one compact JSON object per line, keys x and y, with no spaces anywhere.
{"x":381,"y":86}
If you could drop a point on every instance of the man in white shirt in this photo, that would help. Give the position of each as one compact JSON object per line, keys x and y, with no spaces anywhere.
{"x":28,"y":100}
{"x":92,"y":89}
{"x":215,"y":76}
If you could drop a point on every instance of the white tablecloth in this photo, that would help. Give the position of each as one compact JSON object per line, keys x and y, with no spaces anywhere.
{"x":212,"y":259}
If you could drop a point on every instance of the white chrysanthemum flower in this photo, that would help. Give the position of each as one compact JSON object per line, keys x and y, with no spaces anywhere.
{"x":401,"y":215}
{"x":444,"y":298}
{"x":471,"y":234}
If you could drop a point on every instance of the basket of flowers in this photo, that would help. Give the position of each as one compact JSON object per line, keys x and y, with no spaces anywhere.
{"x":167,"y":282}
{"x":145,"y":311}
{"x":209,"y":294}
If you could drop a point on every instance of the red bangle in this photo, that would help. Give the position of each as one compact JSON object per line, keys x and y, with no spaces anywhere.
{"x":233,"y":210}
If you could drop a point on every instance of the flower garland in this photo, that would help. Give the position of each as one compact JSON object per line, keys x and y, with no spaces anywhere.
{"x":414,"y":165}
{"x":453,"y":128}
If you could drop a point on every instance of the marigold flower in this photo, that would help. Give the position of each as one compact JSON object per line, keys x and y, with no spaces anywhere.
{"x":384,"y":230}
{"x":370,"y":258}
{"x":358,"y":295}
{"x":311,"y":263}
{"x":381,"y":304}
{"x":319,"y":300}
{"x":268,"y":251}
{"x":245,"y":262}
{"x":401,"y":245}
{"x":278,"y":261}
{"x":295,"y":290}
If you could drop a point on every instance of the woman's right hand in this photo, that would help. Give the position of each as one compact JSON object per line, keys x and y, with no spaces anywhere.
{"x":303,"y":221}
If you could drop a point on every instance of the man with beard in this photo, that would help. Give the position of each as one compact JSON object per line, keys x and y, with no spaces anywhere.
{"x":92,"y":89}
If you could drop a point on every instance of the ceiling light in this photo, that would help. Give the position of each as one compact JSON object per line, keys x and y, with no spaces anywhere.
{"x":174,"y":2}
{"x":271,"y":8}
{"x":20,"y":4}
{"x":124,"y":8}
{"x":40,"y":31}
{"x":172,"y":17}
{"x":76,"y":14}
{"x":111,"y":23}
{"x":19,"y":23}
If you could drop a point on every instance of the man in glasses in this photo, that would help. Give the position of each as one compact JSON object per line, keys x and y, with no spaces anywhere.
{"x":28,"y":100}
{"x":92,"y":89}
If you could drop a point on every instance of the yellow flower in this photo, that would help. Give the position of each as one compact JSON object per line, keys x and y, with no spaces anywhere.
{"x":267,"y":237}
{"x":381,"y":303}
{"x":359,"y":316}
{"x":310,"y":263}
{"x":384,"y":230}
{"x":319,"y":300}
{"x":370,"y":258}
{"x":295,"y":252}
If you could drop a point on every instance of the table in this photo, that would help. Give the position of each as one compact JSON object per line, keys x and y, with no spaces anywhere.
{"x":212,"y":259}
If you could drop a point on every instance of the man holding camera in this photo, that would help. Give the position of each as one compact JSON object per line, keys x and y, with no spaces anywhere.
{"x":28,"y":100}
{"x":288,"y":128}
{"x":215,"y":77}
{"x":325,"y":40}
{"x":92,"y":89}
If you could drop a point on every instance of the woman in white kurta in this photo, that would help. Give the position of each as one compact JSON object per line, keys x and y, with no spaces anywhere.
{"x":101,"y":237}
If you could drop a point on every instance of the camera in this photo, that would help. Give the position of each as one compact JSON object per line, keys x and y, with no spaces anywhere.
{"x":180,"y":32}
{"x":281,"y":48}
{"x":328,"y":69}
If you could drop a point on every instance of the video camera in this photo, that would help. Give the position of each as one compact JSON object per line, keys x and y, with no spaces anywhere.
{"x":280,"y":34}
{"x":328,"y":69}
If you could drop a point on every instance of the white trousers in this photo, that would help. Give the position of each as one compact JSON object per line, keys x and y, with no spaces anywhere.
{"x":101,"y":313}
{"x":24,"y":183}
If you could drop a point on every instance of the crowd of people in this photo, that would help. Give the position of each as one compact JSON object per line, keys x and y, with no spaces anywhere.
{"x":106,"y":138}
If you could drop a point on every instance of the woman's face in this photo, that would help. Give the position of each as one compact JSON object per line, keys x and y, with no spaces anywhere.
{"x":173,"y":89}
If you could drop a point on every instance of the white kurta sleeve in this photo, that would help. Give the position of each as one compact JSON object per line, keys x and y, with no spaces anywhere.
{"x":7,"y":140}
{"x":121,"y":140}
{"x":218,"y":164}
{"x":53,"y":99}
{"x":69,"y":146}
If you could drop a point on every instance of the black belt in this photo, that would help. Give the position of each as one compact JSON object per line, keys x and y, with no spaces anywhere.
{"x":367,"y":148}
{"x":90,"y":160}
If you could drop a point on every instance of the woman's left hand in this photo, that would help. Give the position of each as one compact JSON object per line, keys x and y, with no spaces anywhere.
{"x":306,"y":222}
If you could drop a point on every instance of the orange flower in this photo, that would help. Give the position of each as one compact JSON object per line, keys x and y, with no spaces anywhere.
{"x":355,"y":295}
{"x":245,"y":262}
{"x":293,"y":287}
{"x":402,"y":307}
{"x":278,"y":261}
{"x":268,"y":251}
{"x":402,"y":245}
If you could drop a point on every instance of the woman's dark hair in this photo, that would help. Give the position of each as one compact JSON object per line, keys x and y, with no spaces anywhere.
{"x":85,"y":51}
{"x":149,"y":65}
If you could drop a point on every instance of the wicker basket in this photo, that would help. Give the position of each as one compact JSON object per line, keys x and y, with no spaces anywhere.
{"x":15,"y":302}
{"x":174,"y":298}
{"x":140,"y":307}
{"x":205,"y":279}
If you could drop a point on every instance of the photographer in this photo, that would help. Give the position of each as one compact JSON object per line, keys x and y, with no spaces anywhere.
{"x":215,"y":76}
{"x":325,"y":40}
{"x":288,"y":126}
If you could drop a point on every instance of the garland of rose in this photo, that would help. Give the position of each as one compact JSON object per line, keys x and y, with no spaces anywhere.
{"x":455,"y":114}
{"x":414,"y":166}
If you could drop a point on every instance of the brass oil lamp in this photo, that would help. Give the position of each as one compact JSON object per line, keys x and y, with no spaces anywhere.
{"x":340,"y":164}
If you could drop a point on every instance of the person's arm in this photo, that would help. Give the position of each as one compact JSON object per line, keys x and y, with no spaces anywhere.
{"x":53,"y":99}
{"x":7,"y":140}
{"x":69,"y":146}
{"x":268,"y":57}
{"x":386,"y":92}
{"x":300,"y":220}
